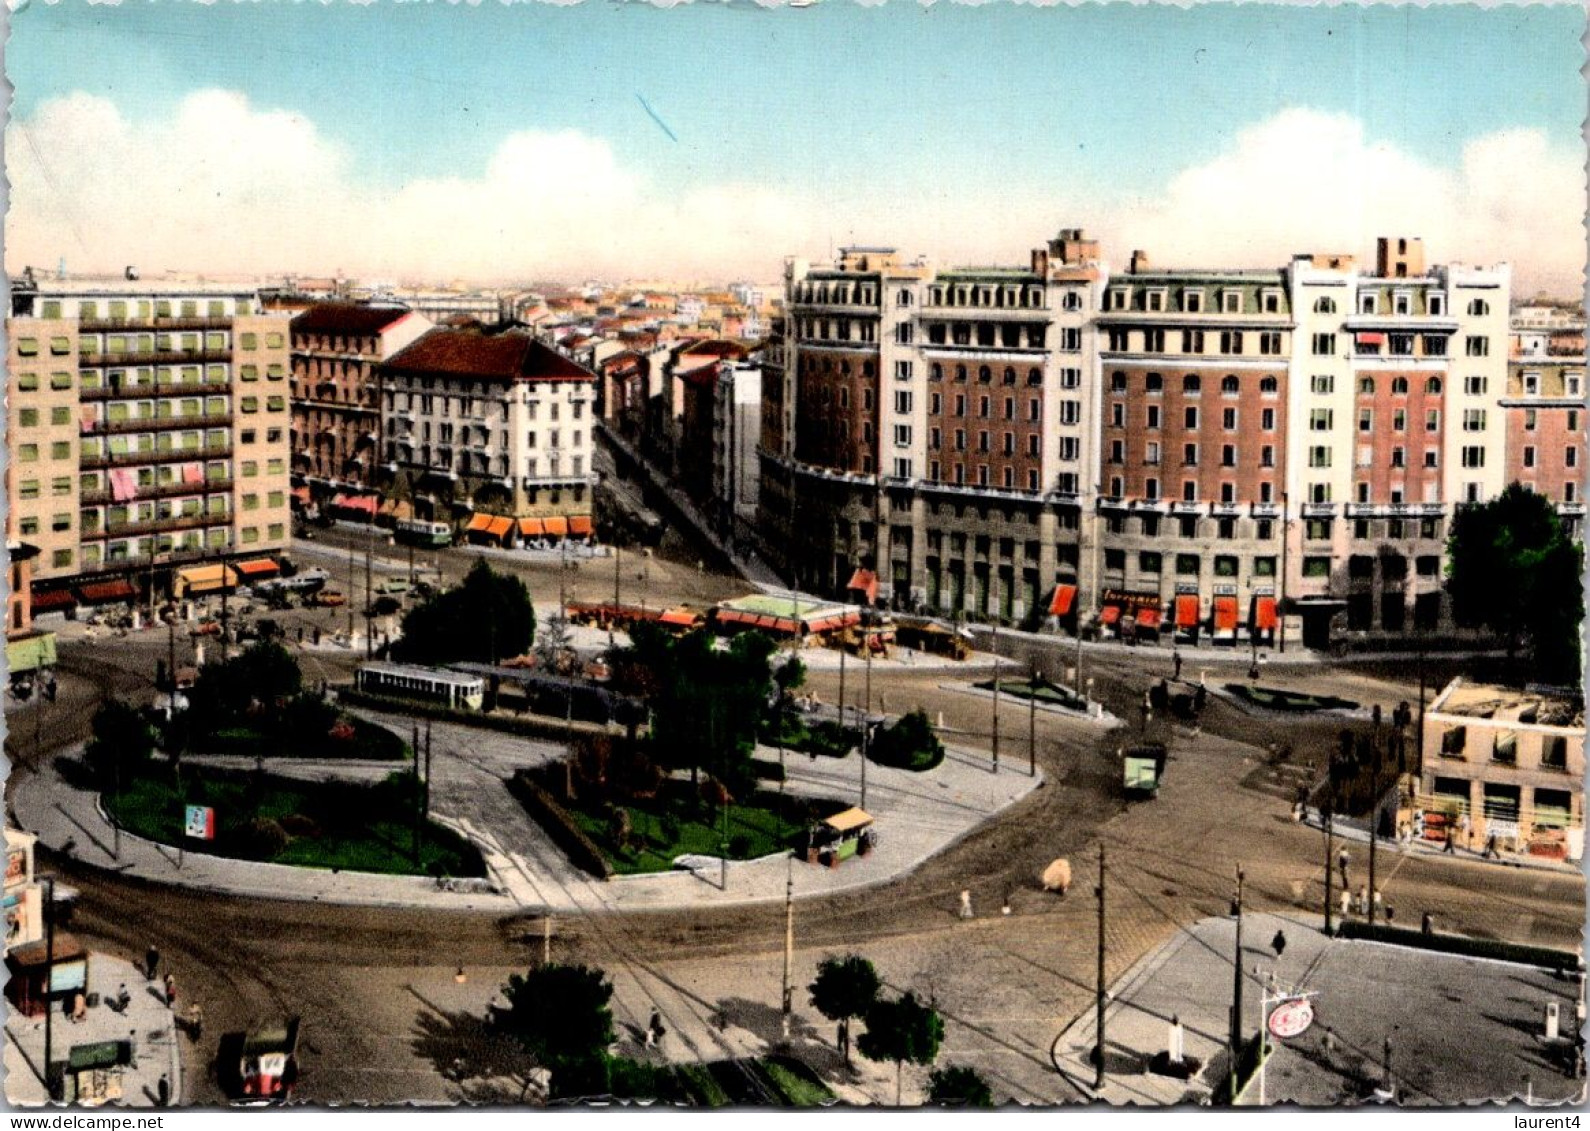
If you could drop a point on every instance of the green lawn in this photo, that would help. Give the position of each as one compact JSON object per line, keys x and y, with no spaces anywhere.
{"x":796,"y":1085}
{"x":1274,"y":699}
{"x":1043,"y":692}
{"x":365,"y":828}
{"x":368,"y":742}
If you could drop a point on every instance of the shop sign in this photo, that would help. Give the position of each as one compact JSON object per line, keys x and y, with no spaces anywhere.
{"x":200,"y":822}
{"x":1291,"y":1018}
{"x":16,"y":866}
{"x":68,"y":976}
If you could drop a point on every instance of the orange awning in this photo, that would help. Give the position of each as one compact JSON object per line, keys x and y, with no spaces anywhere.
{"x":478,"y":523}
{"x":104,"y":591}
{"x":1064,"y":597}
{"x":1109,"y":614}
{"x":531,"y":528}
{"x":1264,"y":618}
{"x":866,"y":581}
{"x":682,"y":617}
{"x":557,"y":525}
{"x":258,"y":568}
{"x":1148,"y":618}
{"x":498,"y":526}
{"x":580,"y":524}
{"x":301,"y":494}
{"x":1225,"y":614}
{"x":1186,"y":611}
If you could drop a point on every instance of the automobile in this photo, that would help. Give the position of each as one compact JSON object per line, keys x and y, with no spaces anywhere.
{"x":327,"y":599}
{"x":393,"y":586}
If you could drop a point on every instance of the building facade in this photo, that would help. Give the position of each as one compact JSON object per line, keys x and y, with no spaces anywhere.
{"x":1214,"y":453}
{"x":499,"y":423}
{"x":149,"y":425}
{"x":336,"y":418}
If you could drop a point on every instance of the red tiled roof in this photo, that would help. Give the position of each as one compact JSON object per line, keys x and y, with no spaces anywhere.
{"x":506,"y":356}
{"x":347,"y":318}
{"x":712,"y":347}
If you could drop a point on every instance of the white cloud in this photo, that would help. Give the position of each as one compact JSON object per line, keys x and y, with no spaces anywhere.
{"x":224,"y":186}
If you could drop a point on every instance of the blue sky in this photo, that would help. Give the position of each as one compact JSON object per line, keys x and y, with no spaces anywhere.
{"x":966,"y":116}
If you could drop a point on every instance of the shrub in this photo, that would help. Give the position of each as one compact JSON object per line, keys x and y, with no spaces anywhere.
{"x":909,"y":744}
{"x":263,"y":839}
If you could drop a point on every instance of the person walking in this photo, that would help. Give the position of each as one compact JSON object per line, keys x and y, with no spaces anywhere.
{"x":171,"y":990}
{"x":1175,"y":661}
{"x":1450,"y":848}
{"x":163,"y":1092}
{"x":966,"y":904}
{"x":1278,"y":944}
{"x":123,"y":998}
{"x":1341,"y":865}
{"x":654,"y":1029}
{"x":151,"y":962}
{"x":195,"y":1021}
{"x":1491,"y":851}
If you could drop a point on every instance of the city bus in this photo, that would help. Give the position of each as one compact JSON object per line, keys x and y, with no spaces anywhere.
{"x":419,"y":532}
{"x":404,"y":681}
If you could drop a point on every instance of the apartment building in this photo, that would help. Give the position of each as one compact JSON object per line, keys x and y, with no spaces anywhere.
{"x":498,"y":423}
{"x":336,"y":416}
{"x":1216,"y":453}
{"x":149,"y":424}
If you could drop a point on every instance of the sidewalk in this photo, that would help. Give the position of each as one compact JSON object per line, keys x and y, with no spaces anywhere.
{"x":1390,"y":849}
{"x":917,"y":815}
{"x":147,"y":1023}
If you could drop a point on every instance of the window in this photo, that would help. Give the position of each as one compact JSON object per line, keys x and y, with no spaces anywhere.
{"x":1187,"y":565}
{"x":1321,"y":420}
{"x":1473,"y":456}
{"x":61,"y":449}
{"x":1191,"y":385}
{"x":1529,"y":457}
{"x":1319,"y":456}
{"x":1149,"y":562}
{"x":1189,"y":455}
{"x":60,"y":380}
{"x":1267,"y":420}
{"x":1228,"y":455}
{"x":1436,"y":303}
{"x":1118,"y":341}
{"x":1228,"y":419}
{"x":1326,"y":305}
{"x":1229,"y":385}
{"x":1231,"y":302}
{"x":28,"y":417}
{"x":1270,"y":342}
{"x":1479,"y":308}
{"x":1192,"y":341}
{"x":1366,"y":420}
{"x":1435,"y":345}
{"x":1151,"y":419}
{"x":1477,"y":346}
{"x":28,"y":347}
{"x":1570,"y":457}
{"x":1231,"y":341}
{"x":1269,"y":386}
{"x":1190,"y":416}
{"x":1474,"y":420}
{"x":1432,"y":420}
{"x":1154,"y":341}
{"x":1399,"y":420}
{"x":1153,"y":383}
{"x":1151,"y":489}
{"x":27,"y":382}
{"x":1367,"y":303}
{"x":60,"y":347}
{"x":61,"y":559}
{"x":1432,"y":387}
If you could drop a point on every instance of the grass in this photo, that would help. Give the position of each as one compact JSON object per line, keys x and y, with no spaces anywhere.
{"x":369,"y":742}
{"x":1274,"y":699}
{"x":1044,"y":692}
{"x":700,"y":1087}
{"x":764,"y":604}
{"x":794,"y":1082}
{"x":335,"y":825}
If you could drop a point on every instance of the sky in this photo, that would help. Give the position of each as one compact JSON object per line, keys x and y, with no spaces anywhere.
{"x":707,"y":141}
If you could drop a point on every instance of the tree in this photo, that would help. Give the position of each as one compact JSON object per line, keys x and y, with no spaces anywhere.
{"x":121,"y":743}
{"x":488,"y":617}
{"x":1513,"y":570}
{"x":562,"y":1016}
{"x":845,"y":989}
{"x":959,"y":1087}
{"x":252,"y":688}
{"x":901,"y":1030}
{"x":909,"y":744}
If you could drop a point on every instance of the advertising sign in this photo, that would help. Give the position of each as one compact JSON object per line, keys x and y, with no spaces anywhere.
{"x":16,"y":866}
{"x":1291,"y":1018}
{"x":68,"y":976}
{"x":200,"y":822}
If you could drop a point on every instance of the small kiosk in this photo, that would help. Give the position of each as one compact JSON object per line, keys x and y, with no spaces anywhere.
{"x":840,"y":837}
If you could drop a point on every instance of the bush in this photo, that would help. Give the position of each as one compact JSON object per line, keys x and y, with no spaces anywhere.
{"x":297,"y":825}
{"x":765,"y":770}
{"x":830,"y":740}
{"x":262,"y":839}
{"x":909,"y":744}
{"x":561,"y":827}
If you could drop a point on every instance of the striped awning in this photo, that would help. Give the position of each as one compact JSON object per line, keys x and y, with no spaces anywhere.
{"x":49,"y":600}
{"x":866,"y":582}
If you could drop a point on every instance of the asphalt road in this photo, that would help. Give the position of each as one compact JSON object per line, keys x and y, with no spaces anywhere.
{"x":386,"y":1021}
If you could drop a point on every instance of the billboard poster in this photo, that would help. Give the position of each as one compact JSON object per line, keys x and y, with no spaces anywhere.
{"x":199,"y":822}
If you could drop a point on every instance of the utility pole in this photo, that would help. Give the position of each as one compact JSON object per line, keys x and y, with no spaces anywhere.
{"x":866,"y":722}
{"x":369,"y":642}
{"x":1374,"y":828}
{"x":426,"y":795}
{"x":1236,"y":992}
{"x":842,"y":650}
{"x":546,"y":938}
{"x":415,"y":838}
{"x":618,"y":557}
{"x":1280,"y":605}
{"x":49,"y":977}
{"x":1325,"y":820}
{"x":789,"y":944}
{"x":1098,"y":1024}
{"x":1032,"y":723}
{"x":351,"y":578}
{"x":995,"y":646}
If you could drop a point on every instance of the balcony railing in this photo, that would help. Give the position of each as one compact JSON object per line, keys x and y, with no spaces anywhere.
{"x":158,"y":389}
{"x":158,"y":526}
{"x":139,"y":459}
{"x":158,"y":424}
{"x":157,"y":491}
{"x":157,"y":322}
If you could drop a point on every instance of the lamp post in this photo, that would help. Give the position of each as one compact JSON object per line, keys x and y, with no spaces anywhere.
{"x":995,"y":646}
{"x":1236,"y":991}
{"x":1032,"y":723}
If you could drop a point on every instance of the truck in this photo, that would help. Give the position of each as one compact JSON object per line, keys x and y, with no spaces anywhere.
{"x":262,"y":1063}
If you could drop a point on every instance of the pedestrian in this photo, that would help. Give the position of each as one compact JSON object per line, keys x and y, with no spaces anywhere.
{"x":1450,"y":848}
{"x":1491,"y":852}
{"x":79,"y":1007}
{"x":655,"y":1029}
{"x":1341,"y":865}
{"x":171,"y":990}
{"x":195,"y":1021}
{"x":1278,"y":944}
{"x":1363,"y":900}
{"x":289,"y":1078}
{"x":1463,"y":829}
{"x":1175,"y":660}
{"x":966,"y":904}
{"x":151,"y":962}
{"x":163,"y":1092}
{"x":123,"y":999}
{"x":1428,"y":925}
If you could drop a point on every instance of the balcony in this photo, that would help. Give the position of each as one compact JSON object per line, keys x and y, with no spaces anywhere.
{"x":154,"y":357}
{"x":158,"y":322}
{"x":158,"y":491}
{"x":1265,"y":510}
{"x":1224,"y":510}
{"x":158,"y":424}
{"x":158,"y":389}
{"x":1318,"y":510}
{"x":157,"y":526}
{"x":168,"y":557}
{"x":140,"y":459}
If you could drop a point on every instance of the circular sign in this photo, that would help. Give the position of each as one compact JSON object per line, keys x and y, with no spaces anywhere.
{"x":1291,"y":1018}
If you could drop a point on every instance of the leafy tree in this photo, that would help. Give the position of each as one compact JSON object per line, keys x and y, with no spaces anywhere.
{"x":488,"y":617}
{"x":901,"y":1030}
{"x":562,"y":1016}
{"x":910,"y":743}
{"x":252,"y":688}
{"x":1513,"y":570}
{"x":122,"y":743}
{"x":959,"y":1087}
{"x":844,"y":990}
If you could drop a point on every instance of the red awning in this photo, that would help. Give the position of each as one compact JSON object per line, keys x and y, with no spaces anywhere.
{"x":682,"y":617}
{"x":1264,"y":617}
{"x":48,"y":599}
{"x":580,"y":524}
{"x":1148,"y":618}
{"x":1065,"y":596}
{"x":368,"y":504}
{"x":1186,"y":611}
{"x":1109,"y":614}
{"x":301,"y":494}
{"x":867,"y":582}
{"x":1371,"y":339}
{"x":829,"y":623}
{"x":102,"y":592}
{"x":556,"y":525}
{"x":1225,"y":614}
{"x":259,"y":568}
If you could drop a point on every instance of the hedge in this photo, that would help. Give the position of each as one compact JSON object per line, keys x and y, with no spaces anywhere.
{"x":1521,"y":953}
{"x":552,"y":817}
{"x":526,"y":726}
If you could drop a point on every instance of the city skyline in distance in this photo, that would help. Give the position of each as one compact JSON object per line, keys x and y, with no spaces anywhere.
{"x":707,"y":143}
